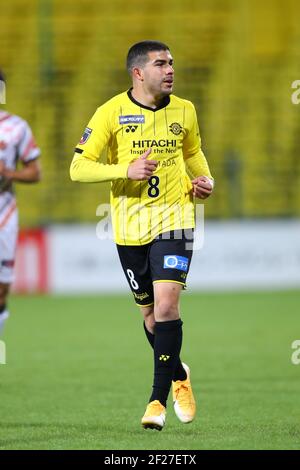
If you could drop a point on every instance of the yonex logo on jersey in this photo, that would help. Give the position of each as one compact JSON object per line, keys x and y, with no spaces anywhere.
{"x":138,"y":119}
{"x":85,"y":135}
{"x":176,"y":262}
{"x":131,"y":128}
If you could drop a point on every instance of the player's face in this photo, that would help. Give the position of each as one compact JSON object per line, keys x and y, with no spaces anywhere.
{"x":158,"y":73}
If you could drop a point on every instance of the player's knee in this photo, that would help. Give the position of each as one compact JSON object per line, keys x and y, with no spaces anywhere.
{"x":150,"y":322}
{"x":148,"y":314}
{"x":166,"y":310}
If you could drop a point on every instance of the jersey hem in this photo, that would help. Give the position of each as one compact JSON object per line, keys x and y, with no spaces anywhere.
{"x":139,"y":243}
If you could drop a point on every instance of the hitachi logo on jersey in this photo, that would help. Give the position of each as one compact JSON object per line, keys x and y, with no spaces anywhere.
{"x":154,"y":143}
{"x":138,"y":118}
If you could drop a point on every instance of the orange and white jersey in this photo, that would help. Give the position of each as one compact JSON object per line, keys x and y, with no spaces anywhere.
{"x":16,"y":143}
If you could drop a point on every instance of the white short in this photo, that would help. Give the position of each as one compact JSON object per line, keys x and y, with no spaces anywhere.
{"x":8,"y":245}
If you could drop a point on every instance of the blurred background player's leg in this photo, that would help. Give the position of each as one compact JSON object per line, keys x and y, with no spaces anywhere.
{"x":4,"y":289}
{"x":8,"y":241}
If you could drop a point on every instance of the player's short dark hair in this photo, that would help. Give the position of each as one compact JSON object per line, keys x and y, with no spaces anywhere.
{"x":2,"y":78}
{"x":138,"y":53}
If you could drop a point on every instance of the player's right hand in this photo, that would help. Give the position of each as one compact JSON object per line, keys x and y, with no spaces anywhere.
{"x":142,"y":169}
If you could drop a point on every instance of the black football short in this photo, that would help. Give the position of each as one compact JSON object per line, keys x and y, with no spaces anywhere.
{"x":166,"y":258}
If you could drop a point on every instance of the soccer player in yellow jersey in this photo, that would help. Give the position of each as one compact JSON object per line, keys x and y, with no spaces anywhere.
{"x":156,"y":167}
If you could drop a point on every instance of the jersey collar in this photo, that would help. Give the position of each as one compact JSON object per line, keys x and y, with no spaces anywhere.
{"x":165,"y":101}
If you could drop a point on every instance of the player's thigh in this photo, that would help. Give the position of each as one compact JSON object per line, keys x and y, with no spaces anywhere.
{"x":8,"y":244}
{"x":136,"y":267}
{"x":170,"y":259}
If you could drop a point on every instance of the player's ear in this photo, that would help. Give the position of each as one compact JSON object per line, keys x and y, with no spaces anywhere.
{"x":138,"y":74}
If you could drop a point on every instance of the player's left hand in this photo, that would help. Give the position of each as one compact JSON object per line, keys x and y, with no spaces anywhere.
{"x":202,"y":187}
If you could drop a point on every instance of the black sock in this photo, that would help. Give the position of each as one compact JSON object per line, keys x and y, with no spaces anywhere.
{"x":150,"y":336}
{"x":167,"y":345}
{"x":179,"y":373}
{"x":2,"y":308}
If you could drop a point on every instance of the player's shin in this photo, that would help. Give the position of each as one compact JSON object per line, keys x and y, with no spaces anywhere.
{"x":167,"y":346}
{"x":179,"y":373}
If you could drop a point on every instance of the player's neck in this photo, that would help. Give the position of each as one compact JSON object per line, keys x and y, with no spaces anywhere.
{"x":147,"y":99}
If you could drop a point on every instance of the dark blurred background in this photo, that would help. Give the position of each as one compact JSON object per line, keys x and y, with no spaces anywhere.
{"x":235,"y":59}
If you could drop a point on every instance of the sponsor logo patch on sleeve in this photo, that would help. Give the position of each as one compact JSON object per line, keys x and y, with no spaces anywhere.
{"x":86,"y":135}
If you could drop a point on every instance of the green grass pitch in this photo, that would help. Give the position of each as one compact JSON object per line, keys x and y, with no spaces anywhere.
{"x":79,"y":373}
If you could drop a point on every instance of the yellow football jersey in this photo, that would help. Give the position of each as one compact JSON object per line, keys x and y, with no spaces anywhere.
{"x":141,"y":210}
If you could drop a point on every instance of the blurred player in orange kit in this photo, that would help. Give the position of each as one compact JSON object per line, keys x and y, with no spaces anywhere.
{"x":16,"y":144}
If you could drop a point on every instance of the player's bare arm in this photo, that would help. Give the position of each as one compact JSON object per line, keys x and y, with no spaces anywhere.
{"x":29,"y":173}
{"x":142,"y":169}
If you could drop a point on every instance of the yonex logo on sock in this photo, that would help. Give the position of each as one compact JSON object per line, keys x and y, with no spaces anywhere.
{"x":164,"y":357}
{"x":2,"y":353}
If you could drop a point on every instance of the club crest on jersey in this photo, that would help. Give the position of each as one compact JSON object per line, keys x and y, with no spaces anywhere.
{"x":137,"y":119}
{"x":85,"y":135}
{"x":175,"y":128}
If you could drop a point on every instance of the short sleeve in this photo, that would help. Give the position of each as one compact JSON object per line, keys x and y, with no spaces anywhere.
{"x":27,"y":147}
